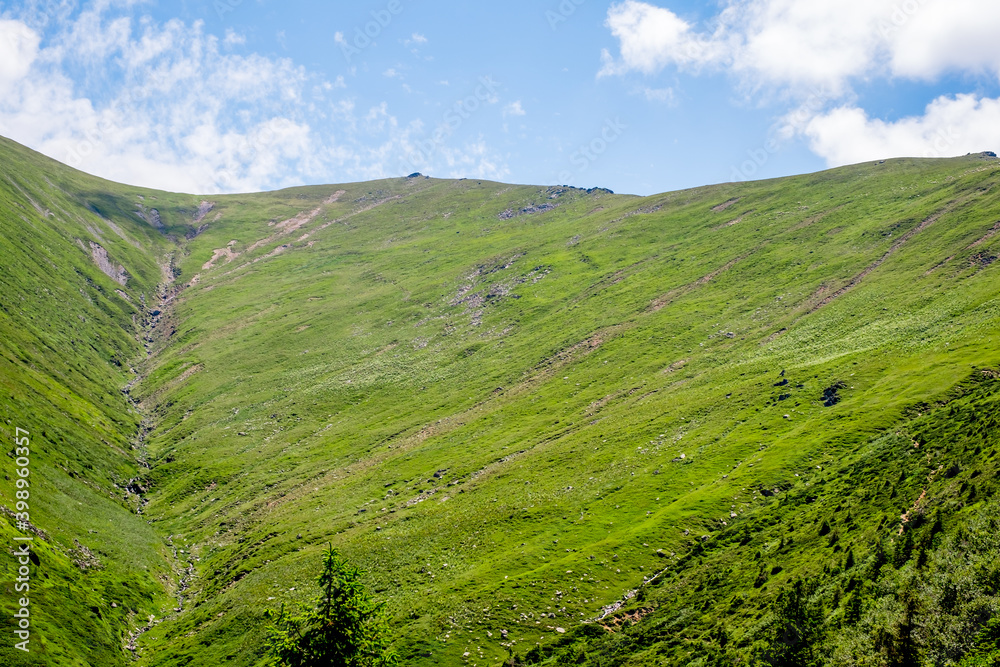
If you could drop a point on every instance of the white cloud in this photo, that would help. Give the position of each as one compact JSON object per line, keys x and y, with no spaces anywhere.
{"x":514,"y":109}
{"x":171,"y":119}
{"x":18,"y":51}
{"x":950,"y":126}
{"x":390,"y":73}
{"x":804,"y":44}
{"x":234,"y":39}
{"x":652,"y":38}
{"x":796,"y":45}
{"x":169,"y":106}
{"x":945,"y":35}
{"x":475,"y":160}
{"x":415,"y":38}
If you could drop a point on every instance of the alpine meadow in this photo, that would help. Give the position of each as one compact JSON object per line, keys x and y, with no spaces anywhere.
{"x":745,"y":424}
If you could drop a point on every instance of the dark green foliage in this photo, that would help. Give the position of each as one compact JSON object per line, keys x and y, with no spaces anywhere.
{"x":899,"y":642}
{"x":879,"y":559}
{"x":790,"y":640}
{"x":986,"y":652}
{"x":345,"y":627}
{"x":903,"y":549}
{"x":853,"y":608}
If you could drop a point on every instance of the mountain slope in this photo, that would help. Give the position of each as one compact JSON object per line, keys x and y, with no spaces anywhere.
{"x":513,"y":404}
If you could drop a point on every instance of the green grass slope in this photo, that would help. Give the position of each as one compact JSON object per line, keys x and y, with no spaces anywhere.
{"x":514,"y":405}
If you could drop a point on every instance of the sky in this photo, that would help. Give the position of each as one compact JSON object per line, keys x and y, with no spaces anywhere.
{"x":218,"y":96}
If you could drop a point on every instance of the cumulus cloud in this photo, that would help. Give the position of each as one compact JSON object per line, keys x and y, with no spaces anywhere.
{"x":943,"y":36}
{"x":950,"y":126}
{"x":652,"y":38}
{"x":234,"y":39}
{"x":171,"y":120}
{"x":475,"y":159}
{"x":820,"y":43}
{"x":169,"y":105}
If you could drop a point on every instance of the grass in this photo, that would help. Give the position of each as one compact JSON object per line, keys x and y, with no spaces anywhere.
{"x":489,"y":414}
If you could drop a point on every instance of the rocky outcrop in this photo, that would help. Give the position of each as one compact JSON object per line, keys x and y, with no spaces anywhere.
{"x":203,"y":210}
{"x":111,"y":270}
{"x":151,"y":216}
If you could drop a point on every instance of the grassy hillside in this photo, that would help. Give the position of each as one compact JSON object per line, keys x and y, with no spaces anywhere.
{"x":514,"y":405}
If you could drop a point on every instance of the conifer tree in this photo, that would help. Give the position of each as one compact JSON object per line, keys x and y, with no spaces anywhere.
{"x":345,"y":627}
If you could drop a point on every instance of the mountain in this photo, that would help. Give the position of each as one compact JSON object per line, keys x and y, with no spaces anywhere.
{"x":560,"y":424}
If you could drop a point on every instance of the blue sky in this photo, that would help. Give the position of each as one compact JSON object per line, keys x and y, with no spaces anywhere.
{"x":640,"y":97}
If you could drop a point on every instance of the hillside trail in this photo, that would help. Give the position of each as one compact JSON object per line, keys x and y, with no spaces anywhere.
{"x":222,"y":257}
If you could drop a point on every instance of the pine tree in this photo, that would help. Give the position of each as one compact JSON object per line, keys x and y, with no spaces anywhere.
{"x":987,"y":648}
{"x":904,"y":651}
{"x":904,"y":549}
{"x":345,"y":628}
{"x":795,"y":630}
{"x":853,"y":609}
{"x":879,"y":559}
